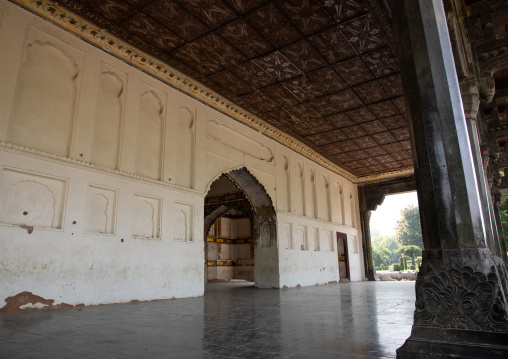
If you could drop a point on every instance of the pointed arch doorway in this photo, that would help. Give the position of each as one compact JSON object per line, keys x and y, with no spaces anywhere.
{"x":238,"y":199}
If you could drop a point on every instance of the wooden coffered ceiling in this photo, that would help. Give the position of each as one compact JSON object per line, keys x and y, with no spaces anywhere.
{"x":324,"y":72}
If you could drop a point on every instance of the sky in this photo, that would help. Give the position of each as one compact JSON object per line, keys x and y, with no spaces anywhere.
{"x":384,"y":219}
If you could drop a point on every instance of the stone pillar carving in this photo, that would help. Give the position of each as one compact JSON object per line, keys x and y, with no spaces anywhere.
{"x":470,"y":98}
{"x":487,"y":88}
{"x":461,"y":308}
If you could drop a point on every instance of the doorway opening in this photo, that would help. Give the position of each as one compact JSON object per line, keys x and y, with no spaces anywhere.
{"x":342,"y":252}
{"x":240,"y":231}
{"x":396,"y":237}
{"x":229,"y":252}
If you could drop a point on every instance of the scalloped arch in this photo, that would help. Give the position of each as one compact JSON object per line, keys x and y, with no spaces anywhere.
{"x":265,"y":218}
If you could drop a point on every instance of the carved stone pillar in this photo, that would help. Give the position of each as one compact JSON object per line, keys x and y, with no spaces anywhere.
{"x":487,"y":88}
{"x":461,"y":309}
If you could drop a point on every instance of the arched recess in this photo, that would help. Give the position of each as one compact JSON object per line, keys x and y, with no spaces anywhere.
{"x":266,"y":269}
{"x":46,"y":98}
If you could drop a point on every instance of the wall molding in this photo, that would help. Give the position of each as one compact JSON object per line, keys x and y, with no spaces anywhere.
{"x":25,"y":151}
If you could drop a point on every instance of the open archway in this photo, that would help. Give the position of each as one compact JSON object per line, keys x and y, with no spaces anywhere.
{"x":239,"y":193}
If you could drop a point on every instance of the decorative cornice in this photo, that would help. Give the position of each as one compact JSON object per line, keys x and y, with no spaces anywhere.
{"x":100,"y":38}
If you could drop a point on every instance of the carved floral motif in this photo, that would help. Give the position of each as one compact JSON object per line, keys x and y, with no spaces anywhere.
{"x":455,"y":296}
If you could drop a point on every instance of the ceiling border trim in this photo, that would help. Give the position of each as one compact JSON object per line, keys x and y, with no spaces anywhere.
{"x":100,"y":38}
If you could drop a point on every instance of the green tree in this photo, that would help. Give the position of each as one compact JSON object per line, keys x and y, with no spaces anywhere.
{"x":390,"y":243}
{"x":408,"y":230}
{"x":503,"y":212}
{"x":410,"y":251}
{"x":380,"y":255}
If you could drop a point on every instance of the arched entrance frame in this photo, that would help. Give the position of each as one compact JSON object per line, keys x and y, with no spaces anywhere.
{"x":266,"y":268}
{"x":371,"y":196}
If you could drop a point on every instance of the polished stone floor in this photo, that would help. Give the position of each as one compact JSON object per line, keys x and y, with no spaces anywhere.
{"x":351,"y":320}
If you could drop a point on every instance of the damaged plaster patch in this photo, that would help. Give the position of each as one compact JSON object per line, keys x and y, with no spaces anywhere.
{"x":29,"y":229}
{"x":23,"y":300}
{"x":27,"y":301}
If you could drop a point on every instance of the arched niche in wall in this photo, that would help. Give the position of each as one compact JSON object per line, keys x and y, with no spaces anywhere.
{"x":311,"y":200}
{"x":31,"y":199}
{"x":342,"y":207}
{"x":324,"y":199}
{"x":315,"y":239}
{"x":264,"y":225}
{"x":150,"y":134}
{"x":285,"y":193}
{"x":100,"y":210}
{"x":107,"y":129}
{"x":285,"y":237}
{"x":335,"y":202}
{"x":298,"y":190}
{"x":353,"y":209}
{"x":300,"y":242}
{"x":184,"y":175}
{"x":45,"y":102}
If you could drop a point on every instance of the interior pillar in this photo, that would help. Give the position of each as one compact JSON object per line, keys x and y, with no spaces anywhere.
{"x":461,"y":308}
{"x":368,"y":203}
{"x":370,"y":271}
{"x":471,"y":101}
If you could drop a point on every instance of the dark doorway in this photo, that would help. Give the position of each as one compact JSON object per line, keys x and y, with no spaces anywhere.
{"x":342,"y":252}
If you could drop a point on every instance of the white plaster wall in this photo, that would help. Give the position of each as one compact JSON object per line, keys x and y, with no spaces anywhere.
{"x":73,"y":266}
{"x":311,"y":266}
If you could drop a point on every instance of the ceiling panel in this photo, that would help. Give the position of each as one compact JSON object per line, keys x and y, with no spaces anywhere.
{"x":324,"y":72}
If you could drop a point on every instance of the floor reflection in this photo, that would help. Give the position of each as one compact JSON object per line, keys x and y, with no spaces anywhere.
{"x":350,"y":320}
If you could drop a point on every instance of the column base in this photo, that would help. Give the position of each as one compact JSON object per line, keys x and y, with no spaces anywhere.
{"x":439,"y":343}
{"x":461,"y":309}
{"x":371,"y":274}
